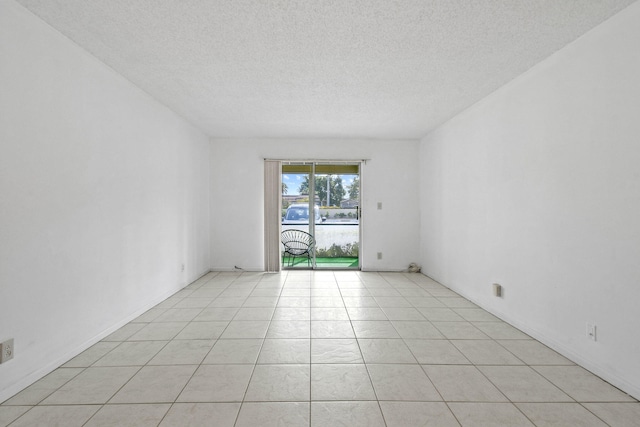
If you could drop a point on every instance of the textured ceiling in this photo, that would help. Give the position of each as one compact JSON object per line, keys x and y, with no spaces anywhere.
{"x":321,"y":68}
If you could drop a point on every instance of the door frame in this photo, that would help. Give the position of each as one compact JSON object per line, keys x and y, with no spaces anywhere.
{"x":312,"y":195}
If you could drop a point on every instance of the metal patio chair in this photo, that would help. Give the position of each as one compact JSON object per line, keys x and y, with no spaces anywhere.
{"x":297,"y":243}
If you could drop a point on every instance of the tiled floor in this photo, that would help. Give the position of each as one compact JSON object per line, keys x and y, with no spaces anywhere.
{"x":322,"y":348}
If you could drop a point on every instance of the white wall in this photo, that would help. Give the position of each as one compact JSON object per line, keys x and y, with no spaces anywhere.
{"x":537,"y":187}
{"x":104,"y":194}
{"x":237,"y":197}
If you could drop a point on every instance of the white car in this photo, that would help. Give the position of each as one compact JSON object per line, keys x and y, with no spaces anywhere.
{"x":299,"y":214}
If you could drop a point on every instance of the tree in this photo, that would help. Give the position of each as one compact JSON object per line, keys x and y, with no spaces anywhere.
{"x":354,"y":189}
{"x":336,"y":189}
{"x":285,"y":188}
{"x":304,"y":185}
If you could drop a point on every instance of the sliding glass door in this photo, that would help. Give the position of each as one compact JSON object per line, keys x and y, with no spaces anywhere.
{"x":323,"y":201}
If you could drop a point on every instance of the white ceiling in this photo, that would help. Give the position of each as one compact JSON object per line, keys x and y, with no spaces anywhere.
{"x":321,"y":68}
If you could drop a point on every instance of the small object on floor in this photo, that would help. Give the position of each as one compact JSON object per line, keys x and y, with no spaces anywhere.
{"x":414,"y":268}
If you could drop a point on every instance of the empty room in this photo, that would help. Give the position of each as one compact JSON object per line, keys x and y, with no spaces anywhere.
{"x":319,"y":213}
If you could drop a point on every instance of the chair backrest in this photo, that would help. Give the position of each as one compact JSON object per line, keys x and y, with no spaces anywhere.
{"x":297,"y":239}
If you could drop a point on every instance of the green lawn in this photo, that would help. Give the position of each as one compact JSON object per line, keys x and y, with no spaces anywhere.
{"x":342,"y":262}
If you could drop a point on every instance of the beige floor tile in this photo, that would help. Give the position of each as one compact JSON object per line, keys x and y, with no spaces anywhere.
{"x":534,"y":353}
{"x":8,"y":414}
{"x":132,"y":353}
{"x":411,"y":329}
{"x":91,"y":355}
{"x":230,"y":384}
{"x":360,"y":302}
{"x":358,"y":292}
{"x":56,"y":416}
{"x":240,"y":290}
{"x":41,"y":389}
{"x":274,"y":414}
{"x":335,"y":351}
{"x":255,"y":313}
{"x":206,"y":292}
{"x":426,"y":302}
{"x":124,"y":332}
{"x":289,"y":329}
{"x":201,"y":414}
{"x":392,"y":301}
{"x":385,"y":351}
{"x":366,"y":313}
{"x":417,"y":414}
{"x":130,"y":415}
{"x":403,"y":313}
{"x":476,"y":315}
{"x":266,"y":292}
{"x":347,"y":414}
{"x":329,"y":313}
{"x":229,"y":302}
{"x":295,"y":292}
{"x":193,"y":303}
{"x":178,"y":315}
{"x":617,"y":414}
{"x":279,"y":383}
{"x":436,"y":314}
{"x":384,"y":292}
{"x":455,"y":301}
{"x":245,"y":329}
{"x":289,"y":313}
{"x":202,"y":330}
{"x":331,"y":329}
{"x":161,"y":331}
{"x":216,"y":314}
{"x":581,"y":384}
{"x":183,"y":352}
{"x":501,"y":331}
{"x":402,"y":382}
{"x":327,"y":301}
{"x":462,"y":383}
{"x":150,"y":315}
{"x":294,"y":302}
{"x":436,"y":352}
{"x":460,"y":331}
{"x":489,"y":415}
{"x":523,"y":384}
{"x":237,"y":351}
{"x":92,"y":386}
{"x":264,"y":302}
{"x":155,"y":384}
{"x":284,"y":351}
{"x":341,"y":382}
{"x":486,"y":352}
{"x":559,"y":414}
{"x":374,"y":329}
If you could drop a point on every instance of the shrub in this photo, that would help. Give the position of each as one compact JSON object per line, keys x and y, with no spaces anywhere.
{"x":337,"y":251}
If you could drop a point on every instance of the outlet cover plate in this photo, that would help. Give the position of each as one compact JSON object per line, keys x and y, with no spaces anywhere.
{"x":6,"y":350}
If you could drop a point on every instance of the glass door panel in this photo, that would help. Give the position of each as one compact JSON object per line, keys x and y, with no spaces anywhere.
{"x":338,"y":234}
{"x":296,"y":180}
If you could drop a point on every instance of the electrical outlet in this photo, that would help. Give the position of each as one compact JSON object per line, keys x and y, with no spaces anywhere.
{"x":591,"y":331}
{"x":6,"y":351}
